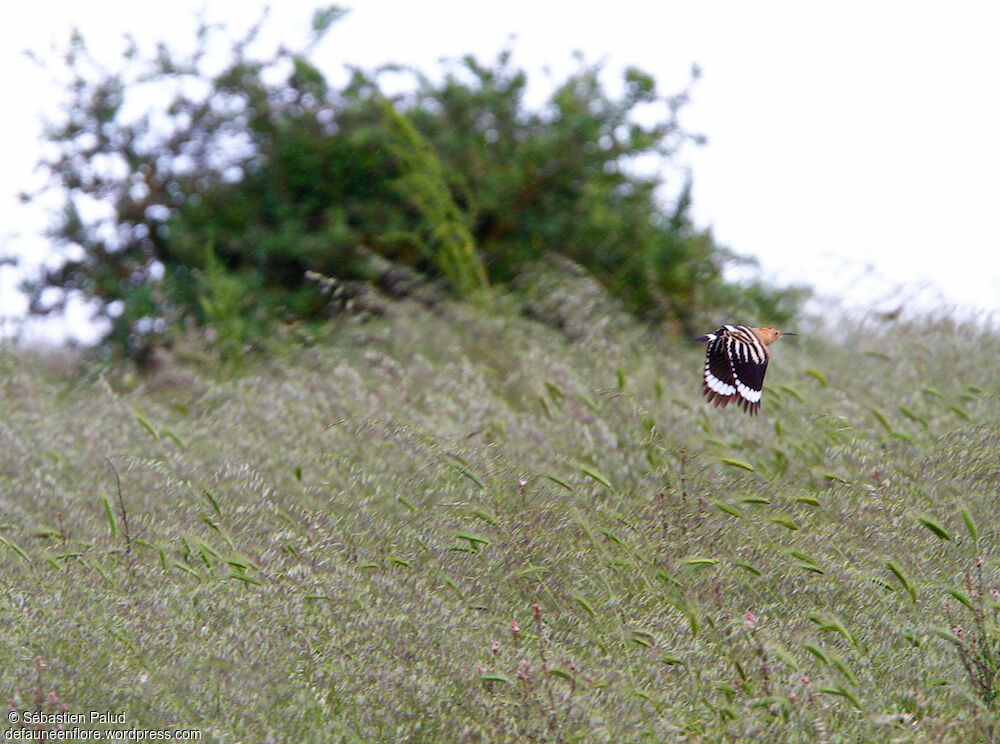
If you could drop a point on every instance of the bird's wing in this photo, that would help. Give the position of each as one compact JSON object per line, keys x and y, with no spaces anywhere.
{"x":720,"y":382}
{"x":749,"y":363}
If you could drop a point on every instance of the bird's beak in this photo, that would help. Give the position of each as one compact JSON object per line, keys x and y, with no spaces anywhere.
{"x":788,"y":333}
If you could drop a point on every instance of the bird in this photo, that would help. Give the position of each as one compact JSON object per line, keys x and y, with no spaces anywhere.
{"x":735,"y":363}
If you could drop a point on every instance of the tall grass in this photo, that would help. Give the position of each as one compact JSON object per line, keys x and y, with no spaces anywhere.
{"x":454,"y":526}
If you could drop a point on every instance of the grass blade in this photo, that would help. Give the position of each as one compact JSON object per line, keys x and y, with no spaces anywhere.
{"x":970,"y":524}
{"x":901,"y":577}
{"x":15,"y":548}
{"x":109,"y":512}
{"x":940,"y":532}
{"x":843,"y":692}
{"x":738,"y":463}
{"x":818,"y":375}
{"x":818,"y":653}
{"x":596,"y":475}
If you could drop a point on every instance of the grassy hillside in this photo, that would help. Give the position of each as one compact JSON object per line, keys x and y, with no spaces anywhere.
{"x":455,"y":527}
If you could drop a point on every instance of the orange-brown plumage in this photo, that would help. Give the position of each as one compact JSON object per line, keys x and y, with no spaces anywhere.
{"x":768,"y":335}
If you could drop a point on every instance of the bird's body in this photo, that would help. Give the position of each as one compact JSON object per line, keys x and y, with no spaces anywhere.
{"x":735,"y":363}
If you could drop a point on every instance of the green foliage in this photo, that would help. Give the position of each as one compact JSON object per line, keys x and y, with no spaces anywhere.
{"x":277,"y":174}
{"x":221,"y":294}
{"x":563,"y":180}
{"x":422,"y":185}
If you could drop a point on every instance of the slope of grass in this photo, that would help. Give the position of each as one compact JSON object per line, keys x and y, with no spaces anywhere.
{"x":454,"y":527}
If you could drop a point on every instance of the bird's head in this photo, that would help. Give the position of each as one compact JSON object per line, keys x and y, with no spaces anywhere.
{"x":770,"y":335}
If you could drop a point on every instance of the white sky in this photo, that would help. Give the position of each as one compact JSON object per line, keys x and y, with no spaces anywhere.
{"x":853,"y":146}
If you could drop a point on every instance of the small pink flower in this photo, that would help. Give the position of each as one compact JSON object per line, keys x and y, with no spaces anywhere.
{"x":751,"y":621}
{"x":480,"y":668}
{"x":495,"y":647}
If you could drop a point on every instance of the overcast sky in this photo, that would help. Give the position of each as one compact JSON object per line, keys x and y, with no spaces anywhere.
{"x":851,"y":146}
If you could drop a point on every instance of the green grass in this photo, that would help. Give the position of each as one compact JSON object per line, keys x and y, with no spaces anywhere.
{"x":455,"y":527}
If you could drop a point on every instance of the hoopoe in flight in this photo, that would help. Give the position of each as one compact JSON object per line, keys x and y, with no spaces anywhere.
{"x":735,"y":365}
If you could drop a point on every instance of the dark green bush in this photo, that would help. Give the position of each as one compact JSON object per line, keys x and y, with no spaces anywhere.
{"x":224,"y":199}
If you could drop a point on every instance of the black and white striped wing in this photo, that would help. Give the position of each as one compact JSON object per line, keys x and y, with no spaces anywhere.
{"x":749,"y":358}
{"x":720,"y":382}
{"x":735,"y":364}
